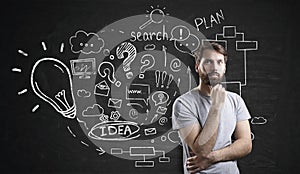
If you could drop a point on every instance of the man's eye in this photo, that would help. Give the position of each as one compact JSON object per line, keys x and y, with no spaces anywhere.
{"x":207,"y":61}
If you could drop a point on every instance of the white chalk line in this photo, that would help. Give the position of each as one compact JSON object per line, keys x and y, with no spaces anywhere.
{"x":44,"y":46}
{"x":22,"y":92}
{"x":23,"y":53}
{"x":69,"y":129}
{"x":16,"y":70}
{"x":35,"y":108}
{"x":84,"y":144}
{"x":62,"y":47}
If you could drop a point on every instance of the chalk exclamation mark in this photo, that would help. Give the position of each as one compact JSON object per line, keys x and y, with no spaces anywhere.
{"x":171,"y":77}
{"x":163,"y":77}
{"x":157,"y":77}
{"x":180,"y":33}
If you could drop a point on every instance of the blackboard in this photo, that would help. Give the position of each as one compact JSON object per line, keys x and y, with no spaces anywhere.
{"x":262,"y":41}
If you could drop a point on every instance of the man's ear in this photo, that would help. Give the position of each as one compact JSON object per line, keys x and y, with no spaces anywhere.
{"x":196,"y":67}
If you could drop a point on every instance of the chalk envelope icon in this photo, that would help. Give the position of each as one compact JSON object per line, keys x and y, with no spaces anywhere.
{"x":51,"y":81}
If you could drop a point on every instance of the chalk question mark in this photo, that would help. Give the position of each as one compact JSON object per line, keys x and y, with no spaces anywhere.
{"x":108,"y":69}
{"x":128,"y":51}
{"x":148,"y":62}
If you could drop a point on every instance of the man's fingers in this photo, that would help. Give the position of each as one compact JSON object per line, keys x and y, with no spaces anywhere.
{"x":219,"y":88}
{"x":192,"y":168}
{"x":215,"y":88}
{"x":190,"y":161}
{"x":192,"y":153}
{"x":218,"y":95}
{"x":192,"y":158}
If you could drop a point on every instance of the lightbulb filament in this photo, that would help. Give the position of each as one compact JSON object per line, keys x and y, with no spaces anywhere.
{"x":44,"y":97}
{"x":61,"y":97}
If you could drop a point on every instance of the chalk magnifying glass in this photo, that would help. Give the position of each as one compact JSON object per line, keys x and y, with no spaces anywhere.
{"x":156,"y":16}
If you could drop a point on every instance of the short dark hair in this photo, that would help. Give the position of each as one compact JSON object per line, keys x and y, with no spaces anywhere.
{"x":210,"y":46}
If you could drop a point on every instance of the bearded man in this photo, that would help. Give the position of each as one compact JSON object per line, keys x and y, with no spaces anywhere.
{"x":208,"y":116}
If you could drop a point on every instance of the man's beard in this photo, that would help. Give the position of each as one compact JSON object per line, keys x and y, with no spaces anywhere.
{"x":208,"y":80}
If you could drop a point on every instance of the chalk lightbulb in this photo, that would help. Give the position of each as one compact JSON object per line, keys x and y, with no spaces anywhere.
{"x":51,"y":81}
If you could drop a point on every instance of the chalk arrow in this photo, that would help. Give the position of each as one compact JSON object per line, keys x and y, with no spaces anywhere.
{"x":164,"y":49}
{"x":188,"y":71}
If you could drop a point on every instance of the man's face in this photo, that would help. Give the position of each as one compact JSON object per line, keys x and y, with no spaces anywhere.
{"x":211,"y":67}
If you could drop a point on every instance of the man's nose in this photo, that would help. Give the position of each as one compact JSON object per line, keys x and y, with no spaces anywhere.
{"x":214,"y":66}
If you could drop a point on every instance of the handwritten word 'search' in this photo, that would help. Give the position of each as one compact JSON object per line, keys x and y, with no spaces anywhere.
{"x":209,"y":22}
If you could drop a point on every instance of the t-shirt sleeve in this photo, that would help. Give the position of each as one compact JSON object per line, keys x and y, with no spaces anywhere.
{"x":242,"y":111}
{"x":183,"y":114}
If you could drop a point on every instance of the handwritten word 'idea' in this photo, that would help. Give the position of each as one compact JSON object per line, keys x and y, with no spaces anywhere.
{"x":211,"y":21}
{"x":115,"y":130}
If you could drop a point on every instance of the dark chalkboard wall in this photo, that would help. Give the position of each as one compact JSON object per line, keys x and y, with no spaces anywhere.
{"x":40,"y":142}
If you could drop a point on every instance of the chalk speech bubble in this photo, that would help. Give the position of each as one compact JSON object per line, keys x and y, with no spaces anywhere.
{"x":138,"y":92}
{"x":160,"y":97}
{"x":180,"y":33}
{"x":86,"y":43}
{"x":189,"y":45}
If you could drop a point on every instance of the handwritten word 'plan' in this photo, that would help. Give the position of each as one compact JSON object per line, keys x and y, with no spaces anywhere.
{"x":211,"y":21}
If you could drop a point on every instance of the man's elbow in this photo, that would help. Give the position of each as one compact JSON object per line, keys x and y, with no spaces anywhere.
{"x":203,"y":149}
{"x":248,"y":146}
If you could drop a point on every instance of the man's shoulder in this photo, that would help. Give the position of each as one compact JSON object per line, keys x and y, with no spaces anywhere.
{"x":189,"y":95}
{"x":234,"y":98}
{"x":232,"y":95}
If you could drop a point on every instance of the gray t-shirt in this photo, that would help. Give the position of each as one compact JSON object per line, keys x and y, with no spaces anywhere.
{"x":193,"y":107}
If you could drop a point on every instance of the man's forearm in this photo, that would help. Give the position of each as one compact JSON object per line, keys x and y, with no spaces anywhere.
{"x":206,"y":139}
{"x":202,"y":140}
{"x":237,"y":149}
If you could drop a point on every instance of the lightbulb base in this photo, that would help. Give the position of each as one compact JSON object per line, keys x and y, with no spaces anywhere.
{"x":69,"y":113}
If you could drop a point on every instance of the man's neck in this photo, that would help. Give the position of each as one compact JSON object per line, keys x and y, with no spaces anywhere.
{"x":205,"y":89}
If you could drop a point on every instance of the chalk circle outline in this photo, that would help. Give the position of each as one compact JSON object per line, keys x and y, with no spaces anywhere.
{"x":110,"y":33}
